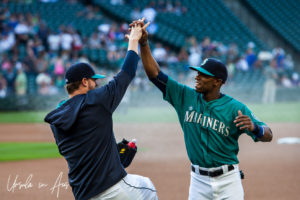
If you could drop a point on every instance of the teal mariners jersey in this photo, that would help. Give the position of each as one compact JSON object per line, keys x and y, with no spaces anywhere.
{"x":211,"y":136}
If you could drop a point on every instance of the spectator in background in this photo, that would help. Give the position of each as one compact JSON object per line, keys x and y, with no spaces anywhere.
{"x":66,"y":40}
{"x":251,"y":56}
{"x":183,"y":55}
{"x":231,"y":69}
{"x":271,"y":78}
{"x":60,"y":82}
{"x":54,"y":41}
{"x":3,"y":88}
{"x":21,"y":81}
{"x":10,"y":75}
{"x":77,"y":42}
{"x":94,"y":41}
{"x":172,"y":59}
{"x":22,"y":31}
{"x":7,"y":41}
{"x":195,"y":52}
{"x":206,"y":47}
{"x":195,"y":57}
{"x":242,"y":64}
{"x":160,"y":54}
{"x":42,"y":62}
{"x":221,"y":49}
{"x":12,"y":21}
{"x":233,"y":51}
{"x":43,"y":81}
{"x":37,"y":46}
{"x":289,"y":63}
{"x":43,"y":33}
{"x":279,"y":54}
{"x":59,"y":68}
{"x":285,"y":81}
{"x":295,"y":79}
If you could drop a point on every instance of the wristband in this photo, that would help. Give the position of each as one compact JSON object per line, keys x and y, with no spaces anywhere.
{"x":259,"y":131}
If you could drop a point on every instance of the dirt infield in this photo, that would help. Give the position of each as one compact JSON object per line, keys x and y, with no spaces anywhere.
{"x":271,"y":170}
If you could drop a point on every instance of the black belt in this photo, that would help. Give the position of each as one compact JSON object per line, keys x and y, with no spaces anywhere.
{"x":215,"y":173}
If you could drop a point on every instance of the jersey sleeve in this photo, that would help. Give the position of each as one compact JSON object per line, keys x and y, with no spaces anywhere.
{"x":246,"y":111}
{"x":111,"y":94}
{"x":177,"y":93}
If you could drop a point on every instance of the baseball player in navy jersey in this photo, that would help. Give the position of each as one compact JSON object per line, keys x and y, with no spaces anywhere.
{"x":82,"y":127}
{"x":211,"y":122}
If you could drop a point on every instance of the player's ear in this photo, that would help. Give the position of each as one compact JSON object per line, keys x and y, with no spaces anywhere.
{"x":218,"y":82}
{"x":84,"y":82}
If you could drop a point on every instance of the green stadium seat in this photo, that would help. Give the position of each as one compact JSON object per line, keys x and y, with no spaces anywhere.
{"x":282,"y":15}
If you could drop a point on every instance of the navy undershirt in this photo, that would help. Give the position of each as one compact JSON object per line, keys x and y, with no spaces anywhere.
{"x":160,"y":82}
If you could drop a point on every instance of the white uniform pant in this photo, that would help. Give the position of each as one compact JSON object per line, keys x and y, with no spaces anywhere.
{"x":226,"y":186}
{"x":131,"y":187}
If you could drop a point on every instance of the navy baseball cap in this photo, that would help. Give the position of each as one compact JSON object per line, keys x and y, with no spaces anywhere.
{"x":79,"y":71}
{"x":213,"y":67}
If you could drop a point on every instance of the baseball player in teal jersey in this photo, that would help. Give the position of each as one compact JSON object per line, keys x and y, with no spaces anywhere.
{"x":211,"y":122}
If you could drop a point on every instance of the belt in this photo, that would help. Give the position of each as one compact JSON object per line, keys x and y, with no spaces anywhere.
{"x":214,"y":173}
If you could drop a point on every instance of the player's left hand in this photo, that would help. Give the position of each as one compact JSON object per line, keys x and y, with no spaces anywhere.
{"x":244,"y":122}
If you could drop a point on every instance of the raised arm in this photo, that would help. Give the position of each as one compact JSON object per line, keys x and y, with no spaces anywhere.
{"x":150,"y":65}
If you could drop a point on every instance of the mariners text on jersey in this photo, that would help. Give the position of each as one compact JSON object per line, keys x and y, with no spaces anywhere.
{"x":206,"y":122}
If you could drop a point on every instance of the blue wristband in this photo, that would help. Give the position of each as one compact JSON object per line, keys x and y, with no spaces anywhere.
{"x":259,"y":131}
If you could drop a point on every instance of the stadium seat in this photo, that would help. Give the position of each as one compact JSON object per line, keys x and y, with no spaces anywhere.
{"x":282,"y":15}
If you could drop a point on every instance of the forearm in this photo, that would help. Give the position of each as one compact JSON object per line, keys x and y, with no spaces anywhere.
{"x":150,"y":65}
{"x":130,"y":63}
{"x":133,"y":45}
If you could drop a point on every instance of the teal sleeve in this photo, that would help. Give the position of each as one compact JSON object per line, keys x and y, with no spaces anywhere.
{"x":177,"y":94}
{"x":174,"y":92}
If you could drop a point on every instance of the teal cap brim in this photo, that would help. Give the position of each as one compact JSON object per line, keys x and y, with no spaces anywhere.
{"x":202,"y":70}
{"x":98,"y":76}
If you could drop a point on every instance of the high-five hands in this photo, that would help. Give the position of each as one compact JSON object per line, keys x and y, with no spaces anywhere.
{"x":244,"y":122}
{"x":141,"y":22}
{"x":136,"y":29}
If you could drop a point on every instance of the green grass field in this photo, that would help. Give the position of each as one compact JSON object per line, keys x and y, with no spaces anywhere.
{"x":14,"y":151}
{"x":279,"y":112}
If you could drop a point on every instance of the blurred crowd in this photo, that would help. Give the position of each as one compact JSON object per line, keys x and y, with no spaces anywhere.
{"x":34,"y":58}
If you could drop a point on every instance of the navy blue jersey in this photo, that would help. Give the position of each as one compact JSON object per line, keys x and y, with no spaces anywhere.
{"x":83,"y":130}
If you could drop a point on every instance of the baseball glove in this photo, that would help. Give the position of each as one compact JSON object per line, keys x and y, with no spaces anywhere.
{"x":126,"y":153}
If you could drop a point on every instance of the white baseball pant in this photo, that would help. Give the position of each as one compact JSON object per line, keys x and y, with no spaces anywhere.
{"x":131,"y":187}
{"x":226,"y":186}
